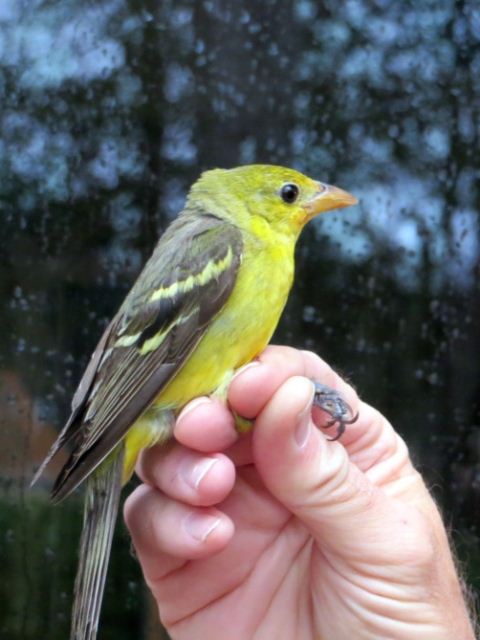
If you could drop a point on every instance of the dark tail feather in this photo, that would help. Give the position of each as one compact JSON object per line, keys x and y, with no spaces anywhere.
{"x":101,"y":507}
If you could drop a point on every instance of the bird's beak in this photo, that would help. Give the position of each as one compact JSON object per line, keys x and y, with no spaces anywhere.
{"x":328,"y":198}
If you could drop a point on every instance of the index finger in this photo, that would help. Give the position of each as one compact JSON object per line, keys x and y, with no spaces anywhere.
{"x":252,"y":388}
{"x":369,"y":440}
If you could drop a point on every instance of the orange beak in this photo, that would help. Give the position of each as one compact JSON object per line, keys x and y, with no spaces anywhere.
{"x":328,"y":198}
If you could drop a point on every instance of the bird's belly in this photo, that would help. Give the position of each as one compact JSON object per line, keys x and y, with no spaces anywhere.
{"x":239,"y":333}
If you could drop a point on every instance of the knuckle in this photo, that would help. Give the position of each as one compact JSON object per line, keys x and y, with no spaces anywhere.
{"x":134,"y":505}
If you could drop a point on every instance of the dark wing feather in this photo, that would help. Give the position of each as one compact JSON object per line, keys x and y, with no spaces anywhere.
{"x":120,"y":382}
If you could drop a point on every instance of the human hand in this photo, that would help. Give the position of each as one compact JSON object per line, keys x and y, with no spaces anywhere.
{"x":283,"y":534}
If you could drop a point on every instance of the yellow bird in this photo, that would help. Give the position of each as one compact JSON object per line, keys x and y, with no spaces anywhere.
{"x":206,"y":303}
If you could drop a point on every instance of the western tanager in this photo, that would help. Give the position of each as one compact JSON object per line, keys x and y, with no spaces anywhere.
{"x":206,"y":303}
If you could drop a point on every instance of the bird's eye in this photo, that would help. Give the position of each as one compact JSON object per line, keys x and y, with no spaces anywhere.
{"x":289,"y":192}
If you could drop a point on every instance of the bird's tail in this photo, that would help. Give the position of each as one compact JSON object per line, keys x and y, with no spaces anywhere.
{"x":101,"y":507}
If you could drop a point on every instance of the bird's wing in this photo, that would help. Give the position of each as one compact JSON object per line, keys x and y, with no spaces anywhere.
{"x":183,"y":286}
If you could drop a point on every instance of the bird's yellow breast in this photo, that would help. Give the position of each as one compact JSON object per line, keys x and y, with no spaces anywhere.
{"x":244,"y":326}
{"x":239,"y":332}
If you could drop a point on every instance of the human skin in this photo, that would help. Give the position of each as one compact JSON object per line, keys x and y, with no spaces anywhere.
{"x":284,"y":534}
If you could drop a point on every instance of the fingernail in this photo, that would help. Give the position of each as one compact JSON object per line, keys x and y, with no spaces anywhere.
{"x":192,"y":405}
{"x":304,"y":422}
{"x":254,"y":363}
{"x":194,"y":476}
{"x":199,"y":525}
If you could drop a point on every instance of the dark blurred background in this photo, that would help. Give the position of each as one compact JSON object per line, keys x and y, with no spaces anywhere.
{"x":109,"y":110}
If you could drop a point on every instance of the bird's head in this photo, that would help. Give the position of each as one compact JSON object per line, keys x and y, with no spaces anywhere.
{"x":284,"y":198}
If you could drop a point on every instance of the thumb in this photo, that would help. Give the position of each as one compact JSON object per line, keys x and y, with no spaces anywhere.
{"x":315,"y":479}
